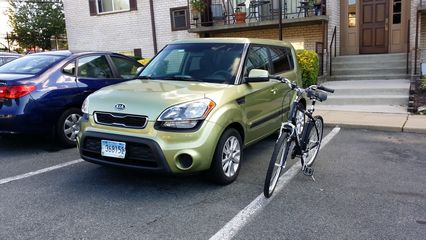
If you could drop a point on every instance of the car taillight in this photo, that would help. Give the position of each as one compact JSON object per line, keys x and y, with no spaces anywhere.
{"x":13,"y":92}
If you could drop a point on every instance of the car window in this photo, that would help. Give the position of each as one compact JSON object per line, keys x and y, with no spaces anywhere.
{"x":31,"y":64}
{"x":94,"y":67}
{"x":257,"y":58}
{"x":69,"y":69}
{"x":203,"y":62}
{"x":282,"y":59}
{"x":127,"y":69}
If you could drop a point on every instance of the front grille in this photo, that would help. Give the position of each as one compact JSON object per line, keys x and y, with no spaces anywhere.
{"x":137,"y":154}
{"x":121,"y":120}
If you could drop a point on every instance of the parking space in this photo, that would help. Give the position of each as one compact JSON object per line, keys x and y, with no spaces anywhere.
{"x":368,"y":185}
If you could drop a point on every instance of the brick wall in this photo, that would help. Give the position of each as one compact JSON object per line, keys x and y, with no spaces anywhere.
{"x":123,"y":31}
{"x":163,"y":23}
{"x":333,"y":12}
{"x":301,"y":36}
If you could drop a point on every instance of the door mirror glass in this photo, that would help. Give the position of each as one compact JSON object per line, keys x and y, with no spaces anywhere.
{"x":257,"y":75}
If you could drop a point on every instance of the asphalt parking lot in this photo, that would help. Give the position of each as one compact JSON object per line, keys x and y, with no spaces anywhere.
{"x":369,"y":185}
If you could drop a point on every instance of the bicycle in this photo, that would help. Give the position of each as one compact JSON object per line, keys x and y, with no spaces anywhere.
{"x":297,"y":137}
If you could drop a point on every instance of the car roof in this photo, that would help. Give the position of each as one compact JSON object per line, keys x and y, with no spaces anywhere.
{"x":235,"y":40}
{"x":68,"y":53}
{"x":7,"y":54}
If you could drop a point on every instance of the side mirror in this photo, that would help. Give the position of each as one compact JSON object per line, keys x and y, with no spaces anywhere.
{"x":139,"y":70}
{"x":257,"y":75}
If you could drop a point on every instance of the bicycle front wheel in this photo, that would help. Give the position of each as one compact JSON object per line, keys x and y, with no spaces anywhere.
{"x":277,"y":164}
{"x":313,"y":138}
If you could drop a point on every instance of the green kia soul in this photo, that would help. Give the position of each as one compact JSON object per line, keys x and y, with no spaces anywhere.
{"x":193,"y":108}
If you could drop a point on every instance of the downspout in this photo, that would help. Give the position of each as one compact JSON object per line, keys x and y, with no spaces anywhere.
{"x":154,"y":31}
{"x":280,"y":20}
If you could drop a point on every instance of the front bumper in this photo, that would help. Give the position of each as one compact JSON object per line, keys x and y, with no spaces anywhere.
{"x":151,"y":149}
{"x":141,"y":153}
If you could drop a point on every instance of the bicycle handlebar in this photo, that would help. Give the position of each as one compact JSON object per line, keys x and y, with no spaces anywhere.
{"x":325,"y":89}
{"x":311,"y":91}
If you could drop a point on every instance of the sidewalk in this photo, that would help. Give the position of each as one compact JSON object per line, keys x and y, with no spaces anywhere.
{"x":403,"y":122}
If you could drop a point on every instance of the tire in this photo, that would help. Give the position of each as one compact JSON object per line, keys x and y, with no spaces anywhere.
{"x":229,"y":147}
{"x":67,"y":127}
{"x":312,"y":140}
{"x":277,"y":164}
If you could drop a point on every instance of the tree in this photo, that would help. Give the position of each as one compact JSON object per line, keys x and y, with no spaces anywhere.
{"x":34,"y":22}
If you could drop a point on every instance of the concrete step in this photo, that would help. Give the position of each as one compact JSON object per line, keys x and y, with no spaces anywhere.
{"x":363,"y":64}
{"x":363,"y":108}
{"x":374,"y":58}
{"x":371,"y":91}
{"x":369,"y":71}
{"x":368,"y":77}
{"x":398,"y":100}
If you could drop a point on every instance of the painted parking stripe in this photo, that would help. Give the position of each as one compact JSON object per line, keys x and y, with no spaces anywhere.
{"x":44,"y":170}
{"x":244,"y":216}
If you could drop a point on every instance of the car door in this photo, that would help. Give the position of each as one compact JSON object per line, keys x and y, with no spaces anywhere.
{"x":262,"y":107}
{"x":94,"y":72}
{"x":283,"y":64}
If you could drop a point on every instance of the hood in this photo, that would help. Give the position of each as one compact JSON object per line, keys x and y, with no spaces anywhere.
{"x":13,"y":79}
{"x":151,"y":97}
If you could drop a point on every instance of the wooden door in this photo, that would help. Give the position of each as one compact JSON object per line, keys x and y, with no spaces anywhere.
{"x":374,"y":32}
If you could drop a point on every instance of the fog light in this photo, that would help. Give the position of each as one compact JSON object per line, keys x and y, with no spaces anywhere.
{"x":184,"y":161}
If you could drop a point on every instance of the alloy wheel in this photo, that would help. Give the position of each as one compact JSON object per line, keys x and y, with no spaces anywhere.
{"x":231,"y":156}
{"x":71,"y":126}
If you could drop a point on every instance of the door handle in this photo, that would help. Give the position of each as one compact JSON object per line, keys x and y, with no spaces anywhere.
{"x":387,"y":24}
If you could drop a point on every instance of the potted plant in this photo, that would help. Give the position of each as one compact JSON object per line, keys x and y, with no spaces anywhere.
{"x":197,"y":7}
{"x":240,"y":17}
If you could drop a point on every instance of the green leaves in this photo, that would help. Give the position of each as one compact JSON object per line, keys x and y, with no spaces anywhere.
{"x":309,"y":65}
{"x":34,"y":23}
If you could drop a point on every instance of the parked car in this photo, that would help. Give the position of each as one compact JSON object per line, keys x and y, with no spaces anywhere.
{"x":7,"y":57}
{"x":43,"y":92}
{"x":196,"y":105}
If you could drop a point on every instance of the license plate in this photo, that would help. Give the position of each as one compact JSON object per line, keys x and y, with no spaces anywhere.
{"x":113,"y":149}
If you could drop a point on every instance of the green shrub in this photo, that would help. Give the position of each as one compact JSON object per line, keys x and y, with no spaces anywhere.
{"x":423,"y":80}
{"x":309,"y":65}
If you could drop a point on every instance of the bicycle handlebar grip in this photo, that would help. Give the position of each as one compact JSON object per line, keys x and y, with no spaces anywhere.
{"x":325,"y":89}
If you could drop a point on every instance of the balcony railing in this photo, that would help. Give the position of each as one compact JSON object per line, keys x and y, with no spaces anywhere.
{"x":222,"y":12}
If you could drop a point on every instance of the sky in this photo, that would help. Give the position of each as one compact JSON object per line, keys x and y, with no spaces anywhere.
{"x":4,"y":25}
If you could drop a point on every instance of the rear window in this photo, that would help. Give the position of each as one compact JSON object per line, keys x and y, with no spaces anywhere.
{"x":31,"y":64}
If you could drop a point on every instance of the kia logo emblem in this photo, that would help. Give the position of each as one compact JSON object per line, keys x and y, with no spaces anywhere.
{"x":120,"y":106}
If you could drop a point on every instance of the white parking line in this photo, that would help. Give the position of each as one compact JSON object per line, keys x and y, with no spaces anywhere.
{"x":244,"y":216}
{"x":44,"y":170}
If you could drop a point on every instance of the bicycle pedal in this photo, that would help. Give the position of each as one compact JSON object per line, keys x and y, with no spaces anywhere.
{"x":308,"y":171}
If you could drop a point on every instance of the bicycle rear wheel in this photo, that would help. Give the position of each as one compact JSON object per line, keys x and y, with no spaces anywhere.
{"x":312,"y":140}
{"x":277,"y":164}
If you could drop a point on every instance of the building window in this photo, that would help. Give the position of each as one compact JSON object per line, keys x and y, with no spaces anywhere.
{"x":179,"y":18}
{"x":397,"y":10}
{"x":113,"y":5}
{"x":352,"y":13}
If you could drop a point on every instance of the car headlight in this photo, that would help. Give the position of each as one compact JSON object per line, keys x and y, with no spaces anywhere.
{"x":85,"y":106}
{"x":186,"y":115}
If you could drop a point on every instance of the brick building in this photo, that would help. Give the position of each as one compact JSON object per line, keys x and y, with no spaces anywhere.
{"x":145,"y":26}
{"x":127,"y":26}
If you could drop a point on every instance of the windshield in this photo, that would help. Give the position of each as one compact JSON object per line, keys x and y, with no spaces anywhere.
{"x":31,"y":64}
{"x":205,"y":62}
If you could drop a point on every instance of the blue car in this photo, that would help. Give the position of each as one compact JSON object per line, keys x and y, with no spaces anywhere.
{"x":42,"y":93}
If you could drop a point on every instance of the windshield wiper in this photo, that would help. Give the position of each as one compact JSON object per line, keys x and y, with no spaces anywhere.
{"x":178,"y":77}
{"x":145,"y":77}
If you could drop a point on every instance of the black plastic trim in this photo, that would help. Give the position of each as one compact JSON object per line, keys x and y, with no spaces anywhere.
{"x":155,"y":148}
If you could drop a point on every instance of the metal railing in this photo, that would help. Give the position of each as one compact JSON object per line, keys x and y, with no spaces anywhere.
{"x":333,"y":41}
{"x":221,"y":12}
